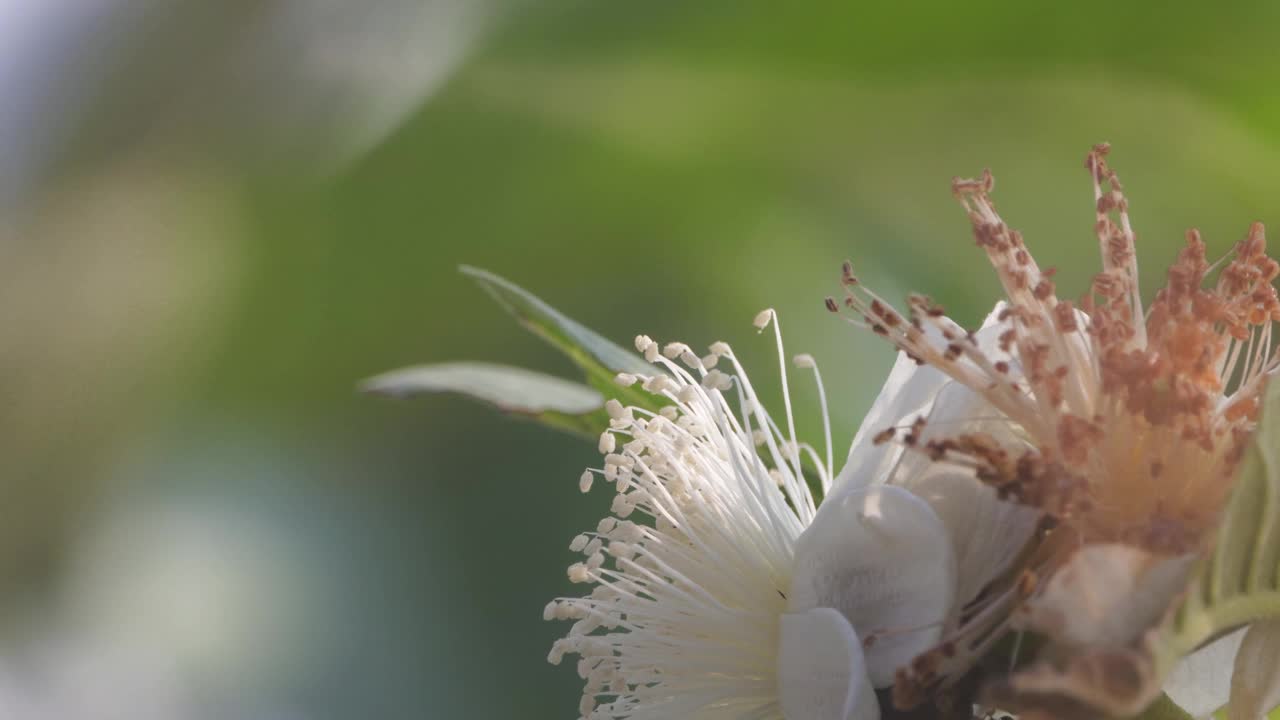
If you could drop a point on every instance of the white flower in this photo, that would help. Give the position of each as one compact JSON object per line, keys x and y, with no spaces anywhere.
{"x":733,"y":595}
{"x":1124,"y":426}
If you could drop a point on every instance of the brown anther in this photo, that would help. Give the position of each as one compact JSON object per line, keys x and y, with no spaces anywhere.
{"x":1027,"y":583}
{"x":1064,"y":317}
{"x":924,"y":664}
{"x":832,"y":306}
{"x":1246,"y":408}
{"x":913,"y":435}
{"x":1043,"y":289}
{"x":883,"y":436}
{"x":1077,"y":437}
{"x":847,"y":278}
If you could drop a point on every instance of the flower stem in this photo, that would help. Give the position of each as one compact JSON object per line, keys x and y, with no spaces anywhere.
{"x":1163,"y":709}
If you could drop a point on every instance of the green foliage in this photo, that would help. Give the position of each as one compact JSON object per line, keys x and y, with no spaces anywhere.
{"x":598,"y":357}
{"x":561,"y":404}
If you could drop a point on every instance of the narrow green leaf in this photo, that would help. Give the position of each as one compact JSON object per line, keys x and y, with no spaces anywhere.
{"x":562,"y":404}
{"x":599,"y":358}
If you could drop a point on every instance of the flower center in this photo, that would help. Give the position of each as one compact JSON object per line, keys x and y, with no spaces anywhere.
{"x":1136,"y":420}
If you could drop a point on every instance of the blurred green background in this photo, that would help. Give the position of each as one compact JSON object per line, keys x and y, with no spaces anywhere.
{"x":215,"y":219}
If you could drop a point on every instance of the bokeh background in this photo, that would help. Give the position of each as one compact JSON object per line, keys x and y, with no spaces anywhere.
{"x":216,"y":218}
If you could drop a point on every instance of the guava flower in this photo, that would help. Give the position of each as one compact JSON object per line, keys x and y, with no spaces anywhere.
{"x":1123,"y":426}
{"x":731,"y":594}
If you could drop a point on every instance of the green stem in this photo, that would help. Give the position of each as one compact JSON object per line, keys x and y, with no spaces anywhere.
{"x":1201,"y":625}
{"x":1163,"y":709}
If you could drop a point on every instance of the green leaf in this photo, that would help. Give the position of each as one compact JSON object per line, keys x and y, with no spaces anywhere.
{"x":562,"y":404}
{"x":1239,"y":582}
{"x":599,"y":358}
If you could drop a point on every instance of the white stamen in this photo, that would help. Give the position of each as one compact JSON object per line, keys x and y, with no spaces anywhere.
{"x":716,"y":380}
{"x":674,"y":350}
{"x":657,"y":384}
{"x":683,"y":616}
{"x":615,"y":409}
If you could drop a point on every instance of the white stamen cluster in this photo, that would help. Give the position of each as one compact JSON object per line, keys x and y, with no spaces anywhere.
{"x":683,"y":619}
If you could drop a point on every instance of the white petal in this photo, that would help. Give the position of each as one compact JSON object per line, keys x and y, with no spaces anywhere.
{"x":987,"y":534}
{"x":822,"y":674}
{"x":1201,"y":682}
{"x":884,"y":559}
{"x":1255,"y":690}
{"x":908,"y":392}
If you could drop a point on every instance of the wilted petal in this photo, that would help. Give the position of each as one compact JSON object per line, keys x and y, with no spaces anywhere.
{"x":883,"y":558}
{"x":1107,"y":595}
{"x":822,"y":674}
{"x":1255,"y":689}
{"x":1201,"y":682}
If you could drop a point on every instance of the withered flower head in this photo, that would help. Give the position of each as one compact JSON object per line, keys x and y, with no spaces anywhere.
{"x":1134,"y":420}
